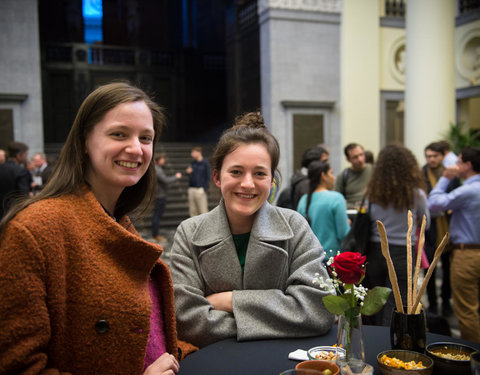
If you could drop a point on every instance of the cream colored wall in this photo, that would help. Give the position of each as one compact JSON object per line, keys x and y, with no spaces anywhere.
{"x":359,"y":72}
{"x":390,"y":40}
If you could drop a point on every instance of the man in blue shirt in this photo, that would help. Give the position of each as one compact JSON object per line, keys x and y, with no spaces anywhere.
{"x":200,"y":174}
{"x":464,"y":202}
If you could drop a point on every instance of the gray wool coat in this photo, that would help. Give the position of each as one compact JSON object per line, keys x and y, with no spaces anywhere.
{"x":273,"y":298}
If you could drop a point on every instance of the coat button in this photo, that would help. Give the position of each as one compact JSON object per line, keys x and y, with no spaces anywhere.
{"x":102,"y":326}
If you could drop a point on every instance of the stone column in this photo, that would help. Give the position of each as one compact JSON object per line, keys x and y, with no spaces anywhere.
{"x":430,"y":72}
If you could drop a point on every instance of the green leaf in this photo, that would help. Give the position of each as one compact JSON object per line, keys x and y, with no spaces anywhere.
{"x":374,"y":300}
{"x":336,"y":304}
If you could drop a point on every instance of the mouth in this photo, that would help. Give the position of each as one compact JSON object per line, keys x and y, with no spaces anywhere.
{"x":245,"y":196}
{"x":128,"y":164}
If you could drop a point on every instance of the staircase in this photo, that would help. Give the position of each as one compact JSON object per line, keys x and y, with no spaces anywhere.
{"x":177,"y":159}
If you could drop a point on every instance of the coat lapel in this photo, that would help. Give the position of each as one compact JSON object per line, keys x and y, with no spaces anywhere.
{"x":266,"y":258}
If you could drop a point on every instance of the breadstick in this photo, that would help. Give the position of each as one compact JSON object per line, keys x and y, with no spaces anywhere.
{"x":436,"y":258}
{"x":419,"y":308}
{"x":391,"y":270}
{"x":421,"y":241}
{"x":409,"y":263}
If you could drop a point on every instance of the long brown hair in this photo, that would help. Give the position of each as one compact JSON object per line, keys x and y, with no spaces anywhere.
{"x":69,"y":173}
{"x":395,"y":178}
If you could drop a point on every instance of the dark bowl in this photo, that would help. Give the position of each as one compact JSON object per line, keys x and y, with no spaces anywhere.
{"x":449,"y":366}
{"x":405,"y":356}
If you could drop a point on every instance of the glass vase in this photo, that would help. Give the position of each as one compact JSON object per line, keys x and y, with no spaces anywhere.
{"x":350,"y":338}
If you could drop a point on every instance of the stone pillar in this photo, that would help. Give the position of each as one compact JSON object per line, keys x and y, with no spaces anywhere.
{"x":360,"y":78}
{"x":430,"y":72}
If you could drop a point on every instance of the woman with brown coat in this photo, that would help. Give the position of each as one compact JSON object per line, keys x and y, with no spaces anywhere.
{"x":81,"y":292}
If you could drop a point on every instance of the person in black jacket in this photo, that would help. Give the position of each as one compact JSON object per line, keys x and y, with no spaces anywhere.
{"x":14,"y":177}
{"x":432,"y":171}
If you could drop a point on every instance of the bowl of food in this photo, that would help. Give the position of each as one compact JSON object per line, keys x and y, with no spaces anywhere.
{"x":404,"y":362}
{"x":450,"y":357}
{"x":324,"y":367}
{"x":325,"y":353}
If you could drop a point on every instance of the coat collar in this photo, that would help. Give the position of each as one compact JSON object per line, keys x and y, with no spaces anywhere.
{"x":269,"y":225}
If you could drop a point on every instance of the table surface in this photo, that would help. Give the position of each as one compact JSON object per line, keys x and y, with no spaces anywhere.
{"x":270,"y":357}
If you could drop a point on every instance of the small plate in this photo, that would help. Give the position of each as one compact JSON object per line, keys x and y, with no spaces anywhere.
{"x":325,"y":353}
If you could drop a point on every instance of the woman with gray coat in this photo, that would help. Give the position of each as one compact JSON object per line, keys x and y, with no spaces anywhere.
{"x":245,"y":269}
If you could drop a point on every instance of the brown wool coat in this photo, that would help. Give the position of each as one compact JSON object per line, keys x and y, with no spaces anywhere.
{"x":73,"y":291}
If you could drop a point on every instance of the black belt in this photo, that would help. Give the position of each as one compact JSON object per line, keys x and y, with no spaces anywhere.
{"x":462,"y":246}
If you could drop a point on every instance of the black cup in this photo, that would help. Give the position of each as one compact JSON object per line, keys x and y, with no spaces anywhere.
{"x":408,"y":331}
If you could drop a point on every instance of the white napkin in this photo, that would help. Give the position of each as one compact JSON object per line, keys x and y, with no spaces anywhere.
{"x":298,"y":355}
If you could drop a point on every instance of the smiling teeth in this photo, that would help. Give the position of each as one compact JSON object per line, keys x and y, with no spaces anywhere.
{"x":127,"y":164}
{"x":247,"y":196}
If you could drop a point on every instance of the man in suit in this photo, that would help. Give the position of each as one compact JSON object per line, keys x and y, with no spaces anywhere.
{"x":42,"y":171}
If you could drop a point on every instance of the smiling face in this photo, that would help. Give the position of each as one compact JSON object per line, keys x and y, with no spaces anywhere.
{"x":119,"y":148}
{"x":245,"y":180}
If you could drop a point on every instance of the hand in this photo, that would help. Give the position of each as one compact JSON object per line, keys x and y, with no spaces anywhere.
{"x":189,"y":170}
{"x":451,"y":171}
{"x":221,"y":301}
{"x":178,"y":175}
{"x":166,"y":364}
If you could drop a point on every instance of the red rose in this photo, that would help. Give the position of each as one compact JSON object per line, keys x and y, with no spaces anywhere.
{"x":350,"y":267}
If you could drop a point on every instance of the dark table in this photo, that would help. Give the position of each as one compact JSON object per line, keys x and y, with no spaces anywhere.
{"x":270,"y":357}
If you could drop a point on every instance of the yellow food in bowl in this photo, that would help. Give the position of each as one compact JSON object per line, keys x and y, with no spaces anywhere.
{"x":397,"y":363}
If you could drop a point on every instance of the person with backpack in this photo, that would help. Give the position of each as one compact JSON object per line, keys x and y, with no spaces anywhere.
{"x":299,"y":184}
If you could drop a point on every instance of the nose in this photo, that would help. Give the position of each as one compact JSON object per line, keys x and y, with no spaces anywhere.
{"x":247,"y":181}
{"x":134,"y":146}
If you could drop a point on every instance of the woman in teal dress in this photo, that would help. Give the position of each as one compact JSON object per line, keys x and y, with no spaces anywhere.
{"x":324,"y":209}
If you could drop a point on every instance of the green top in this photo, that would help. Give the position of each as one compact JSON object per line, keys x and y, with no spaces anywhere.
{"x":241,"y":244}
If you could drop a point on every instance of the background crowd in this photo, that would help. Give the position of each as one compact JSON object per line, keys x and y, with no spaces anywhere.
{"x":243,"y":269}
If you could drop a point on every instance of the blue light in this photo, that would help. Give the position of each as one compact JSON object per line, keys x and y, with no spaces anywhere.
{"x":92,"y":17}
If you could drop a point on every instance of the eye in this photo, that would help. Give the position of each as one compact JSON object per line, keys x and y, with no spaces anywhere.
{"x":117,"y":134}
{"x":235,"y":172}
{"x":261,"y":174}
{"x":146,"y":139}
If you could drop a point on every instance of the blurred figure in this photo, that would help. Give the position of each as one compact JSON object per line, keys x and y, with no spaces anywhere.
{"x":464,"y":201}
{"x":352,"y":182}
{"x":396,"y":186}
{"x":41,"y":172}
{"x":14,"y":176}
{"x":199,"y":171}
{"x":299,"y":184}
{"x":325,"y":210}
{"x":449,"y":157}
{"x":163,"y":181}
{"x":432,"y":171}
{"x":3,"y":156}
{"x":369,"y":158}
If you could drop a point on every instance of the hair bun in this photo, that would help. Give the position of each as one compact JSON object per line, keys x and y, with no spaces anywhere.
{"x":251,"y":120}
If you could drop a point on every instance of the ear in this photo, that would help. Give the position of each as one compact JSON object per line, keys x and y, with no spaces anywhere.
{"x":216,"y":178}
